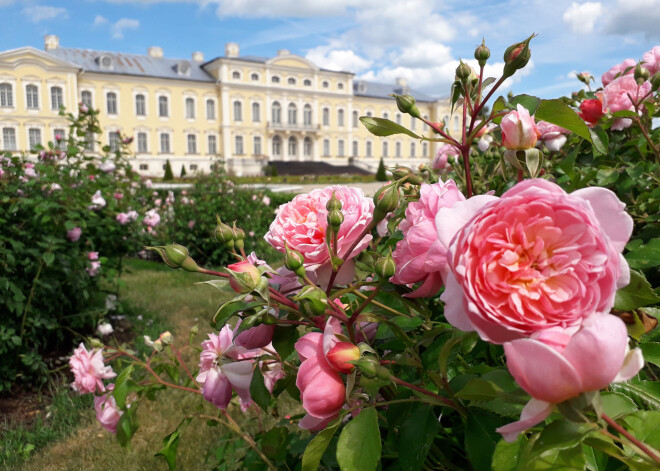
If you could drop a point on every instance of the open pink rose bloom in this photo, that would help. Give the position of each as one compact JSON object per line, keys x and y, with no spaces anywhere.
{"x":89,"y":371}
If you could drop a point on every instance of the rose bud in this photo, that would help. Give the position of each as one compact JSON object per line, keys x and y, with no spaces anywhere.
{"x":176,"y":256}
{"x":463,"y":71}
{"x":294,"y":261}
{"x":386,"y":200}
{"x":591,"y":111}
{"x":406,"y":104}
{"x":519,"y":130}
{"x":385,"y":266}
{"x":313,"y":300}
{"x":641,"y":74}
{"x":516,"y":57}
{"x":341,"y":354}
{"x":482,"y":53}
{"x":244,"y":276}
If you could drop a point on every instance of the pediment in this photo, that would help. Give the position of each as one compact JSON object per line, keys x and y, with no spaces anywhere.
{"x":292,"y":61}
{"x":15,"y":58}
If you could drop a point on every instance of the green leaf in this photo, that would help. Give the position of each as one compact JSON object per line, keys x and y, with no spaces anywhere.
{"x":559,"y":113}
{"x":359,"y":445}
{"x":644,"y":393}
{"x":481,"y":437}
{"x":644,"y":256}
{"x":416,"y":436}
{"x":651,"y":351}
{"x":645,"y":426}
{"x":273,"y":443}
{"x":385,"y":127}
{"x":637,"y":294}
{"x":526,"y":101}
{"x":624,"y":114}
{"x":507,"y":455}
{"x":559,"y":435}
{"x":617,"y":405}
{"x":498,"y":105}
{"x":258,"y":390}
{"x":479,"y":389}
{"x":487,"y":82}
{"x":315,"y":449}
{"x":171,"y":442}
{"x":443,"y":356}
{"x":599,"y":140}
{"x":122,"y":387}
{"x":569,"y":459}
{"x":49,"y":258}
{"x":126,"y":427}
{"x":284,"y":340}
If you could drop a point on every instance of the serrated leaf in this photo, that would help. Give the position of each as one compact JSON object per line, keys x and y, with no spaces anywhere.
{"x":479,"y":389}
{"x":559,"y":435}
{"x":499,"y":105}
{"x":599,"y":140}
{"x":359,"y":445}
{"x":258,"y":390}
{"x":315,"y":449}
{"x":637,"y":294}
{"x":559,"y":113}
{"x":481,"y":437}
{"x":646,"y":393}
{"x":531,"y":103}
{"x":384,"y":127}
{"x":171,"y":443}
{"x":416,"y":435}
{"x":644,"y":256}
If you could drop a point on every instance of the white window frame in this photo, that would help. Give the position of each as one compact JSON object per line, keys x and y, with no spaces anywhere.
{"x":89,"y":105}
{"x":137,"y":141}
{"x":340,"y":148}
{"x":41,"y":137}
{"x":210,"y":151}
{"x":135,"y":102}
{"x":193,"y":100}
{"x":168,"y":97}
{"x":341,"y":117}
{"x":107,"y":110}
{"x":11,"y":102}
{"x":210,"y":104}
{"x":292,"y":111}
{"x":170,"y":144}
{"x":25,"y":88}
{"x":239,"y":149}
{"x":257,"y":145}
{"x":326,"y":147}
{"x":15,"y":138}
{"x":256,"y":117}
{"x":325,"y":114}
{"x":195,"y":150}
{"x":112,"y":134}
{"x":61,"y":97}
{"x":234,"y":108}
{"x":272,"y":112}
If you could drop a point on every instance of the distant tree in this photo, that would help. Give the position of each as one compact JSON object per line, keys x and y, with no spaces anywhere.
{"x":168,"y":171}
{"x":183,"y":171}
{"x":381,"y":174}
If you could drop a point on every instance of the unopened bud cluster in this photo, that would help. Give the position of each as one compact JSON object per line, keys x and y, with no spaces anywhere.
{"x":231,"y":237}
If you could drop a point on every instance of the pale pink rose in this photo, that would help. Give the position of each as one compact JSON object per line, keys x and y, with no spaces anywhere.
{"x":74,"y":234}
{"x":651,"y":60}
{"x":98,"y":201}
{"x":420,"y":256}
{"x":158,"y":201}
{"x":107,"y":167}
{"x":322,"y":390}
{"x":148,"y":183}
{"x":618,"y":70}
{"x":254,"y":197}
{"x":301,"y":224}
{"x":223,"y":367}
{"x":556,"y":366}
{"x":484,"y":142}
{"x":191,"y":224}
{"x":29,"y":171}
{"x":123,"y":218}
{"x":93,"y":269}
{"x":440,"y":159}
{"x":553,"y":136}
{"x":265,"y":200}
{"x":118,"y":196}
{"x":615,"y":96}
{"x":88,"y":370}
{"x":533,"y":259}
{"x":151,"y":218}
{"x":107,"y":412}
{"x":83,"y":107}
{"x":519,"y":130}
{"x":92,"y":256}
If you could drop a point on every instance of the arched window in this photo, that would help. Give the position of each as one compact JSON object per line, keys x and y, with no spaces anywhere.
{"x":111,"y":102}
{"x":386,"y":115}
{"x":277,"y":146}
{"x":275,"y":79}
{"x":307,"y":115}
{"x":445,"y":121}
{"x":340,"y":118}
{"x":307,"y":82}
{"x":340,"y":86}
{"x":212,"y":142}
{"x":398,"y":118}
{"x":293,"y":113}
{"x":210,"y":109}
{"x":455,"y":123}
{"x":256,"y":112}
{"x":413,"y":123}
{"x":254,"y":77}
{"x":256,"y":145}
{"x":86,"y":98}
{"x":293,"y":146}
{"x":326,"y":117}
{"x":163,"y":107}
{"x":239,"y":145}
{"x":32,"y":96}
{"x":307,"y":147}
{"x":340,"y":148}
{"x":56,"y":98}
{"x":6,"y":96}
{"x":291,"y":81}
{"x":355,"y":148}
{"x":140,"y":105}
{"x":425,"y":149}
{"x":277,"y":112}
{"x":325,"y":84}
{"x":190,"y":108}
{"x":238,"y":111}
{"x":236,"y":75}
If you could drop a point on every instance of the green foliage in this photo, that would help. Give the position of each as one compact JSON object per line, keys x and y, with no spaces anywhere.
{"x":381,"y":174}
{"x":359,"y":445}
{"x":169,"y":176}
{"x":183,"y":171}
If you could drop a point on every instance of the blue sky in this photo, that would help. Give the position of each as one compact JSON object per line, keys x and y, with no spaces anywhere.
{"x":420,"y":40}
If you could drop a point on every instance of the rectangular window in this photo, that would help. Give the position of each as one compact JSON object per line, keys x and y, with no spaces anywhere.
{"x":413,"y":123}
{"x":256,"y":112}
{"x":6,"y":96}
{"x":163,"y":107}
{"x":340,"y":148}
{"x":355,"y":148}
{"x":326,"y":117}
{"x":192,"y":144}
{"x":164,"y":143}
{"x":56,"y":98}
{"x":355,"y":119}
{"x":326,"y":148}
{"x":61,"y":142}
{"x":86,"y":98}
{"x":193,"y":167}
{"x":239,"y":145}
{"x":368,"y":150}
{"x":238,"y":112}
{"x":142,"y":142}
{"x":113,"y":141}
{"x":34,"y":137}
{"x":340,"y":118}
{"x":111,"y":99}
{"x":384,"y":149}
{"x":89,"y":141}
{"x":190,"y":108}
{"x":32,"y":96}
{"x":210,"y":109}
{"x":213,"y":145}
{"x":144,"y":167}
{"x":256,"y":147}
{"x":140,"y":105}
{"x":9,"y":139}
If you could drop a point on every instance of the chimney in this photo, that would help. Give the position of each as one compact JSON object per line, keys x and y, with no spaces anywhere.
{"x":401,"y":82}
{"x":51,"y":42}
{"x":198,"y":56}
{"x":231,"y":50}
{"x":155,"y":51}
{"x":283,"y":52}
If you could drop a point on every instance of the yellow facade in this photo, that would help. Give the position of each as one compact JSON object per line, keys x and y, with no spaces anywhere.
{"x":243,"y":111}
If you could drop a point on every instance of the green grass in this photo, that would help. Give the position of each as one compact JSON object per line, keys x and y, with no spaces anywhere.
{"x":168,"y":300}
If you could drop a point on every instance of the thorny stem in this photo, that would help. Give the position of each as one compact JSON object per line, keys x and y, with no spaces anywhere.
{"x":612,"y":423}
{"x":465,"y":150}
{"x":648,"y":138}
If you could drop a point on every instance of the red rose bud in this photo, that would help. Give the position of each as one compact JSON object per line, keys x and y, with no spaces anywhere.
{"x":482,"y":53}
{"x":406,"y":104}
{"x":516,"y":57}
{"x":341,"y":354}
{"x":386,"y":200}
{"x":244,"y":276}
{"x":591,"y":111}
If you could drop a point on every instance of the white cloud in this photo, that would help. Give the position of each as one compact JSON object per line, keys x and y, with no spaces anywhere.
{"x":100,"y":20}
{"x":286,"y":8}
{"x":581,"y":17}
{"x":117,"y":29}
{"x":39,"y":13}
{"x":635,"y":17}
{"x":338,"y":59}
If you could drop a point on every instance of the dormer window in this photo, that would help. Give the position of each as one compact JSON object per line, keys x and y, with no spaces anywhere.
{"x":325,"y":84}
{"x":275,"y":79}
{"x":183,"y":68}
{"x":291,"y":81}
{"x":340,"y":86}
{"x":307,"y":83}
{"x":254,"y":77}
{"x":236,"y":75}
{"x":106,"y":62}
{"x":362,"y":87}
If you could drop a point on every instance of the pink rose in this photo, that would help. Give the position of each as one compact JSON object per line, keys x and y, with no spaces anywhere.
{"x":255,"y":337}
{"x":107,"y":167}
{"x":88,"y":370}
{"x":321,"y":388}
{"x":98,"y":201}
{"x":92,"y":255}
{"x":244,"y":276}
{"x":618,"y":70}
{"x":420,"y":257}
{"x":74,"y":234}
{"x":533,"y":259}
{"x":553,"y":136}
{"x":223,"y":366}
{"x":615,"y":95}
{"x":265,"y":200}
{"x":301,"y":224}
{"x":553,"y":366}
{"x":123,"y":218}
{"x":118,"y":196}
{"x":151,"y":218}
{"x":107,"y":412}
{"x":519,"y":130}
{"x":93,"y":269}
{"x":440,"y":160}
{"x":651,"y":60}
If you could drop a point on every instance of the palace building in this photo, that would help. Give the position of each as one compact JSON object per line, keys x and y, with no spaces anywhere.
{"x":242,"y":110}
